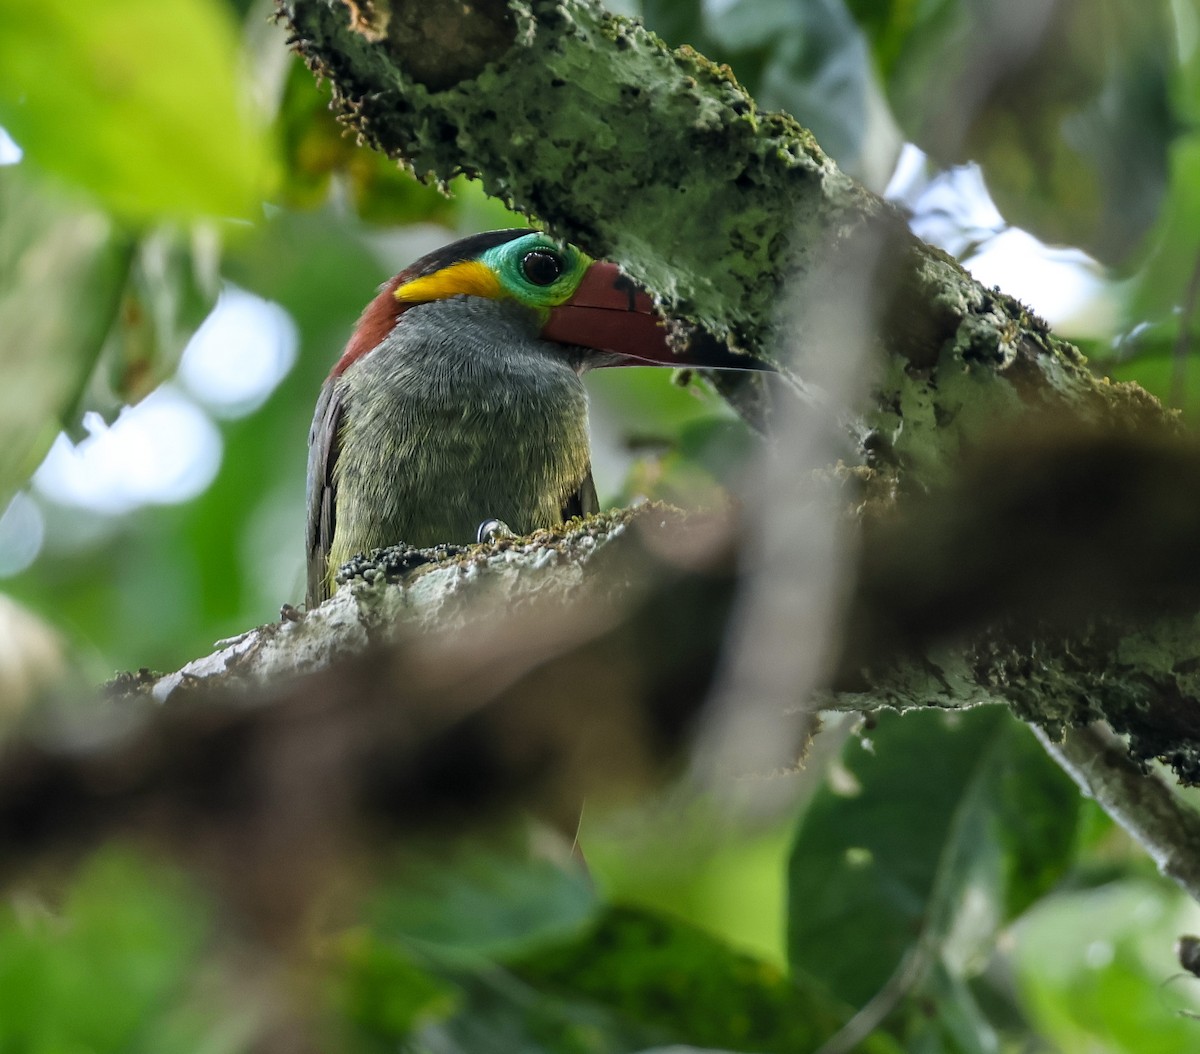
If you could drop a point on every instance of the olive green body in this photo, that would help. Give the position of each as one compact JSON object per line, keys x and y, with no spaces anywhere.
{"x":459,"y":415}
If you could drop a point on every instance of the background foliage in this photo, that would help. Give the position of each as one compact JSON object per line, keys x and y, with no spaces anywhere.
{"x":169,"y":161}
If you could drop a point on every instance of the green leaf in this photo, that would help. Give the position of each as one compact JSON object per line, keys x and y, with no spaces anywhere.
{"x":62,"y":273}
{"x":112,"y":969}
{"x":628,"y":981}
{"x":679,"y":22}
{"x":673,"y":978}
{"x":482,"y":898}
{"x":316,"y":148}
{"x":954,"y":825}
{"x":172,"y":286}
{"x":1098,"y":972}
{"x":380,"y":995}
{"x":78,"y":290}
{"x":1161,"y":285}
{"x":1070,"y":120}
{"x":957,"y":1027}
{"x":698,"y":865}
{"x":501,"y":1015}
{"x":142,"y":106}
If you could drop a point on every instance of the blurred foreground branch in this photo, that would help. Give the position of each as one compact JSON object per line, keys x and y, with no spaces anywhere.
{"x":534,"y":672}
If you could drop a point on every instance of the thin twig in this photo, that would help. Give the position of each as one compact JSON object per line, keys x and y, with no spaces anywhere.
{"x":1139,"y":801}
{"x":904,"y":979}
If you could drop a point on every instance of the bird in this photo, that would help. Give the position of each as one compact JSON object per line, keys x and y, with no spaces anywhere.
{"x":458,"y":400}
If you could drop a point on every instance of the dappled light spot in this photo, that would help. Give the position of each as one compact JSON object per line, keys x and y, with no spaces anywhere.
{"x":22,"y":530}
{"x":239,"y":355}
{"x":858,"y":857}
{"x":1099,"y":954}
{"x":953,"y":209}
{"x":163,"y":451}
{"x":842,"y":781}
{"x":10,"y":153}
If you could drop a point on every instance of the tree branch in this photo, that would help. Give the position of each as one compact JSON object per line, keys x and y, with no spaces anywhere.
{"x":1139,"y":801}
{"x":983,"y":592}
{"x":660,"y":160}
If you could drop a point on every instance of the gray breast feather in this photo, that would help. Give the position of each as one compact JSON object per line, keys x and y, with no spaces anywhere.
{"x":459,"y":415}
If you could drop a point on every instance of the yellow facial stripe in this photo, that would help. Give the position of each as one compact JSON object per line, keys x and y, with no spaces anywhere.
{"x":468,"y":277}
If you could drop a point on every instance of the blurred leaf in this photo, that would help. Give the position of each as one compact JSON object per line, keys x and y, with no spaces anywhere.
{"x":686,"y":441}
{"x":809,"y":59}
{"x":683,"y":22}
{"x":138,"y":105}
{"x":670,"y":977}
{"x":111,"y":970}
{"x":62,"y":271}
{"x":695,"y":863}
{"x":816,"y":65}
{"x":957,"y":824}
{"x":172,"y":286}
{"x":501,"y":1015}
{"x":721,"y":445}
{"x":1098,"y":972}
{"x":1066,"y":106}
{"x":892,"y":29}
{"x":475,"y":211}
{"x":1161,"y":287}
{"x":958,"y":1026}
{"x":630,"y":980}
{"x":631,"y":395}
{"x":380,"y":995}
{"x":483,"y":898}
{"x":677,"y":1048}
{"x":158,"y":586}
{"x":316,"y":147}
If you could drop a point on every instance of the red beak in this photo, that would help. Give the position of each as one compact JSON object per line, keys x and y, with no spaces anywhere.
{"x":610,"y":313}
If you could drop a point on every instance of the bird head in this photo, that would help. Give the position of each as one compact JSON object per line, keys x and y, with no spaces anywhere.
{"x":573,"y":300}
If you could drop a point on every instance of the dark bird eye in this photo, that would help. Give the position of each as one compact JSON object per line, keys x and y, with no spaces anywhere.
{"x":542,"y":266}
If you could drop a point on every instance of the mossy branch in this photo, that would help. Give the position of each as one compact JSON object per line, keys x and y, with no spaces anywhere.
{"x":659,"y":159}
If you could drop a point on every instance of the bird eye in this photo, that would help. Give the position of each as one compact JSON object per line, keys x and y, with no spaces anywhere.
{"x":542,"y":266}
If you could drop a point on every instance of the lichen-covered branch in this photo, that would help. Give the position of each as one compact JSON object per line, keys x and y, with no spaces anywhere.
{"x":453,"y":594}
{"x":1139,"y":801}
{"x":660,"y":159}
{"x":1057,"y":574}
{"x":449,"y":687}
{"x":528,"y":673}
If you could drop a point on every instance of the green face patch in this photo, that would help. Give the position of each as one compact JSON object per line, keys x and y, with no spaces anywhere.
{"x":536,"y":270}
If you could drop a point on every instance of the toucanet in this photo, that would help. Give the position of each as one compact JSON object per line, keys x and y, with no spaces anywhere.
{"x":458,"y":398}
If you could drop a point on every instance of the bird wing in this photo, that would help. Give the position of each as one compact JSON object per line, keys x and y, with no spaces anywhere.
{"x":323,"y":447}
{"x":583,"y":502}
